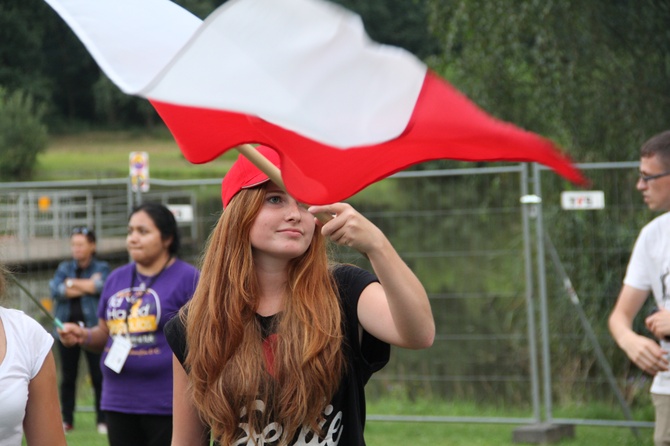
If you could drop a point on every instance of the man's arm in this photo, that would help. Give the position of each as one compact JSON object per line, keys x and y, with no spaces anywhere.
{"x":644,"y":352}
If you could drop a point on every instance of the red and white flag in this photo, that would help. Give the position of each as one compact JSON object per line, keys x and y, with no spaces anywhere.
{"x":300,"y":76}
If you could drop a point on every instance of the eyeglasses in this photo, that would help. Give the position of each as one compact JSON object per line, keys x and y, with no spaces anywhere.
{"x":83,"y":230}
{"x":647,"y":178}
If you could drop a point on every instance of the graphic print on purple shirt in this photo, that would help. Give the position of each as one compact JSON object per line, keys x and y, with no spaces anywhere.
{"x":135,"y":313}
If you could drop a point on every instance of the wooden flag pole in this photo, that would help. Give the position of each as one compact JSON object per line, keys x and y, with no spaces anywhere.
{"x":272,"y":171}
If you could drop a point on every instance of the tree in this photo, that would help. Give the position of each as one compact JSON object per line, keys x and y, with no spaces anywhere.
{"x":22,"y":134}
{"x":594,"y":76}
{"x":402,"y":23}
{"x":21,"y":60}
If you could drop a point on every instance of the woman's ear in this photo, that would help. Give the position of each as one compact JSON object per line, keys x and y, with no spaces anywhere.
{"x":167,"y":242}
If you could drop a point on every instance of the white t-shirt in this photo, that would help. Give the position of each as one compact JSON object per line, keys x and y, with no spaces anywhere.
{"x":28,"y":344}
{"x":649,"y":269}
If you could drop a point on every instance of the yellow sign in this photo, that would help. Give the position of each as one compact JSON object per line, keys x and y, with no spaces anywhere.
{"x":139,"y":171}
{"x":44,"y":203}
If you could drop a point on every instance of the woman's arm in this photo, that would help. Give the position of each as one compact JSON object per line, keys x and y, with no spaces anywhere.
{"x":92,"y":285}
{"x":57,"y":287}
{"x":187,"y":429}
{"x":43,"y":424}
{"x":397,"y":309}
{"x":92,"y":339}
{"x":81,"y":287}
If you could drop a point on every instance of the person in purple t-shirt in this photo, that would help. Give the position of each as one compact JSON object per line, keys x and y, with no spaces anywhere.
{"x":137,"y":301}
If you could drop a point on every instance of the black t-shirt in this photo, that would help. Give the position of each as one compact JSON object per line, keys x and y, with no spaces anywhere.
{"x":345,"y":415}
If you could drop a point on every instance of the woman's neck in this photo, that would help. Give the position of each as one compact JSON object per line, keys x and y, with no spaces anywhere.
{"x":83,"y":264}
{"x":156,"y":266}
{"x":272,"y":291}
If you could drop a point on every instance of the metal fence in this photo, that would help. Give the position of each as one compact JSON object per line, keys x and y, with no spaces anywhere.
{"x":520,"y":288}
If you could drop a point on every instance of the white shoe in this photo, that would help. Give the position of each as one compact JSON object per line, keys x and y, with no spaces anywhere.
{"x":102,"y":428}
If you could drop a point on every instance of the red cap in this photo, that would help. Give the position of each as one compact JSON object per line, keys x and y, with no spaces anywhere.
{"x":244,"y":174}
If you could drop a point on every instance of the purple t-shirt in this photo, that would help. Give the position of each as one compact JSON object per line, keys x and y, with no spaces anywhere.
{"x":144,"y":385}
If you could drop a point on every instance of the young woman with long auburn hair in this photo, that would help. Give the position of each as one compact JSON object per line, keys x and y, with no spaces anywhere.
{"x":277,"y":343}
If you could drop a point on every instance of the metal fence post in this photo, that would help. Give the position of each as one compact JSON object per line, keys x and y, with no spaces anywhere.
{"x":542,"y":293}
{"x":530,"y":307}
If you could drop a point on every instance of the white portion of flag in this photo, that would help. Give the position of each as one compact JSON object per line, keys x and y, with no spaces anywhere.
{"x":305,"y":65}
{"x":131,"y":40}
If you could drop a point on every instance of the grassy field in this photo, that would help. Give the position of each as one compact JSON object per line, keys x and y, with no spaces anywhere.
{"x":381,"y":433}
{"x":392,"y":433}
{"x":387,"y":433}
{"x":95,"y":155}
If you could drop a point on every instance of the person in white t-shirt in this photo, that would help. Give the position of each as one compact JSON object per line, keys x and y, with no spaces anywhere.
{"x":28,"y":387}
{"x":649,"y":270}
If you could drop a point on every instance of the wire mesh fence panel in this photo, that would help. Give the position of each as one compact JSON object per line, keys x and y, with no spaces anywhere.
{"x":594,"y":247}
{"x":461,"y":230}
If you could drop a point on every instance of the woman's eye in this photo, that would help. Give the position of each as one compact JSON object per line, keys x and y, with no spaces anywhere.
{"x":274,"y":199}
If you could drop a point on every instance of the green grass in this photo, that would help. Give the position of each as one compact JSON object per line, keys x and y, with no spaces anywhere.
{"x":97,"y":154}
{"x":93,"y":155}
{"x":391,"y":433}
{"x":382,"y":433}
{"x":385,"y":433}
{"x":449,"y":434}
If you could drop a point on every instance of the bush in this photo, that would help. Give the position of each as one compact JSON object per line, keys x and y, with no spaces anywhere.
{"x":22,"y":134}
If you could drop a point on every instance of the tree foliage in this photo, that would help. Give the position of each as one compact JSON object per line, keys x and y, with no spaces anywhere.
{"x":402,"y":23}
{"x":594,"y":76}
{"x":22,"y":134}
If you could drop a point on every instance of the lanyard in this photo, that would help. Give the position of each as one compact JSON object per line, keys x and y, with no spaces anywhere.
{"x":143,"y":288}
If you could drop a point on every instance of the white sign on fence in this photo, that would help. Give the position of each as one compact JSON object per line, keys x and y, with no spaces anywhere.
{"x":182,"y":212}
{"x":583,"y":200}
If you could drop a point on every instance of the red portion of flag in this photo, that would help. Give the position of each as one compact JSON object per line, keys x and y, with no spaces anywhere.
{"x":444,"y":125}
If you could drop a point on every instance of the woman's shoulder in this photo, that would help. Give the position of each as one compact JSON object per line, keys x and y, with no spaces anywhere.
{"x":346,"y":273}
{"x":22,"y":323}
{"x":186,"y":273}
{"x":99,"y":263}
{"x":121,"y":271}
{"x":351,"y":281}
{"x":175,"y":334}
{"x":33,"y":341}
{"x":17,"y":316}
{"x":185,"y":266}
{"x":67,"y":264}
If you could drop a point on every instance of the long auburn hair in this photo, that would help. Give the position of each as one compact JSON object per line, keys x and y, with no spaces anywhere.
{"x":225,"y":360}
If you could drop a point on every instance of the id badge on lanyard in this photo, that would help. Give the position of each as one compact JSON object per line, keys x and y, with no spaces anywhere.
{"x":118,"y":353}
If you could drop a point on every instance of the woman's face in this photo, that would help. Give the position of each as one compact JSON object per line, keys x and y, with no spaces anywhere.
{"x":82,"y":250}
{"x":144,"y":242}
{"x":283,"y":229}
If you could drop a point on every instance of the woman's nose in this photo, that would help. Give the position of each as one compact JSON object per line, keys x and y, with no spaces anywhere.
{"x":293,"y":211}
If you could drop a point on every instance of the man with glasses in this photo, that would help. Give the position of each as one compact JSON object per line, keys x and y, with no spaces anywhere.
{"x":649,"y":271}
